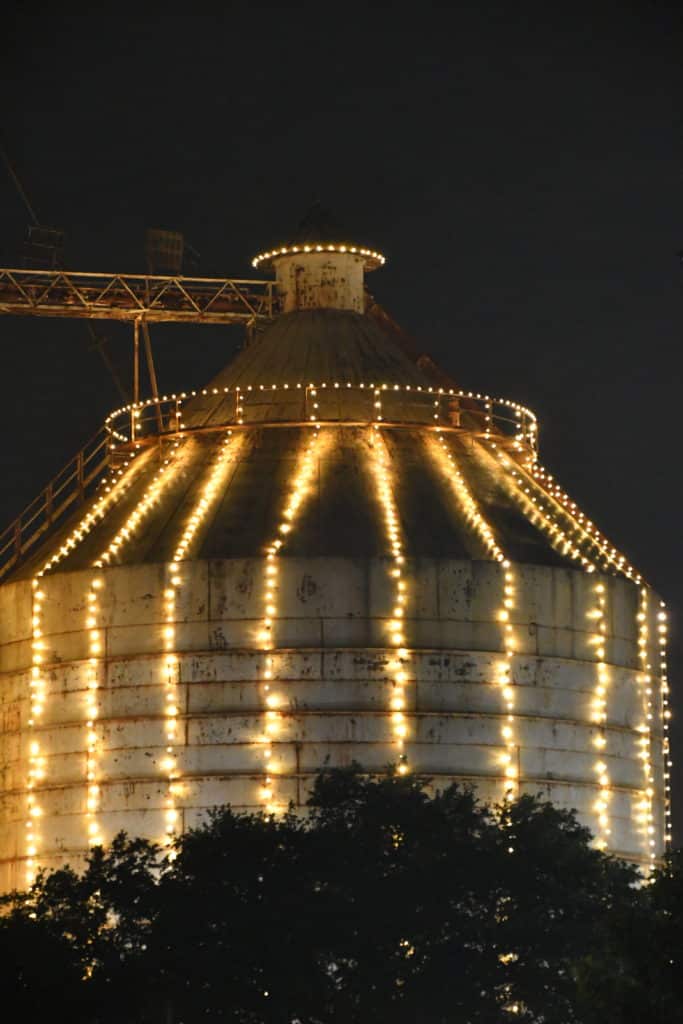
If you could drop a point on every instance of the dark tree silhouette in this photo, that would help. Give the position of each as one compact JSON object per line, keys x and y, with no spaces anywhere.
{"x":388,"y":902}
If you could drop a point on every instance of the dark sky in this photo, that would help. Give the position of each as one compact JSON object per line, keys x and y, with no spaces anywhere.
{"x":520,"y":167}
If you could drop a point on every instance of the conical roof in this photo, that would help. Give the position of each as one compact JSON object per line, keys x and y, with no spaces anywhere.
{"x":349,"y":359}
{"x":308,"y":347}
{"x":350,"y":375}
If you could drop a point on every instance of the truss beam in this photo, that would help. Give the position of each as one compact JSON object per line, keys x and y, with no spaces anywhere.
{"x":139,"y":297}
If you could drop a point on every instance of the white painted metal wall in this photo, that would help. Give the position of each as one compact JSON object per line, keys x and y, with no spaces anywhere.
{"x":330,"y":658}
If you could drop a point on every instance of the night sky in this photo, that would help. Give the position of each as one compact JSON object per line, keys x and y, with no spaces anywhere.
{"x":520,"y":168}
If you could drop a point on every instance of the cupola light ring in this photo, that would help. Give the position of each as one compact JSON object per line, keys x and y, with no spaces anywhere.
{"x":371,"y":258}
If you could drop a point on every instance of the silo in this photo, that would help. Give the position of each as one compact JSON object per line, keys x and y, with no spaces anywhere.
{"x":326,"y":555}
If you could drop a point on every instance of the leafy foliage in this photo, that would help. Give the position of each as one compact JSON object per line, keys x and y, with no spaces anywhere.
{"x":387,"y":902}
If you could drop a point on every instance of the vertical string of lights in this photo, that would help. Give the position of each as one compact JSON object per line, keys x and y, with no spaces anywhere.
{"x":506,"y":681}
{"x":273,"y":696}
{"x":151,"y":494}
{"x":209,"y":494}
{"x":611,"y":559}
{"x":95,"y":660}
{"x":504,"y":669}
{"x":665,"y":712}
{"x":37,"y":762}
{"x":36,"y":759}
{"x":91,"y":711}
{"x":598,"y":640}
{"x":646,"y":803}
{"x":395,"y":625}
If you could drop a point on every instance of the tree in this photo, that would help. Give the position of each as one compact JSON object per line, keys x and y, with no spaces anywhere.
{"x":388,"y":901}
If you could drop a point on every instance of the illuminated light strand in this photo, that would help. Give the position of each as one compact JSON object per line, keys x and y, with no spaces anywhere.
{"x":666,"y":719}
{"x":553,"y":530}
{"x":504,"y":669}
{"x":506,"y":682}
{"x":169,"y":762}
{"x":209,"y":494}
{"x":646,"y":802}
{"x":446,"y":461}
{"x":143,"y":507}
{"x":373,"y":259}
{"x":598,"y":640}
{"x":488,"y":420}
{"x":547,"y":484}
{"x":93,"y":604}
{"x":95,"y":650}
{"x":399,"y":661}
{"x":274,"y":697}
{"x":377,"y":404}
{"x":91,"y":518}
{"x":526,"y":421}
{"x":36,"y":759}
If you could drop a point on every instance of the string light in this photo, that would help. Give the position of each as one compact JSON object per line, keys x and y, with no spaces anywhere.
{"x":445,"y":460}
{"x":555,"y":493}
{"x":506,"y":682}
{"x":372,"y":259}
{"x":95,"y":648}
{"x":645,"y":805}
{"x":36,"y":759}
{"x":377,"y":404}
{"x":598,"y":640}
{"x":95,"y":641}
{"x":434,"y":405}
{"x":273,"y":695}
{"x":539,"y":513}
{"x":398,"y":665}
{"x":666,"y":718}
{"x":112,"y":492}
{"x":111,"y":487}
{"x":149,"y":499}
{"x":209,"y":494}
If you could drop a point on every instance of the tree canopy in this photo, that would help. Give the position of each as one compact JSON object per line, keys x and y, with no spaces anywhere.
{"x":386,"y":902}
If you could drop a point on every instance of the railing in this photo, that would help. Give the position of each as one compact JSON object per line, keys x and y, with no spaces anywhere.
{"x":328,"y":403}
{"x":72,"y":485}
{"x":206,"y":300}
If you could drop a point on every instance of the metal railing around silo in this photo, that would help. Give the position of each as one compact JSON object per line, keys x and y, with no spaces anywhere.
{"x":279,"y":405}
{"x":71,"y":486}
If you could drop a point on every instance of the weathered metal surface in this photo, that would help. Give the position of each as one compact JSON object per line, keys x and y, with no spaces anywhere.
{"x":324,"y":280}
{"x":331,"y":663}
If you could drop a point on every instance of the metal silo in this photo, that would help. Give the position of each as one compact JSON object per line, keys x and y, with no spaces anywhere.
{"x":326,"y":555}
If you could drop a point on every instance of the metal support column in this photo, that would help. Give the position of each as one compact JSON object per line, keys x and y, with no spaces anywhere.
{"x":136,"y":375}
{"x":152,"y":373}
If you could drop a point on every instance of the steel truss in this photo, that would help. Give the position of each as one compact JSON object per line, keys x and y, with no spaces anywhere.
{"x":151,"y":299}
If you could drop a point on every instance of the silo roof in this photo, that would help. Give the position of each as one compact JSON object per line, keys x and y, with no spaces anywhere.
{"x":310,"y":346}
{"x":325,"y":347}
